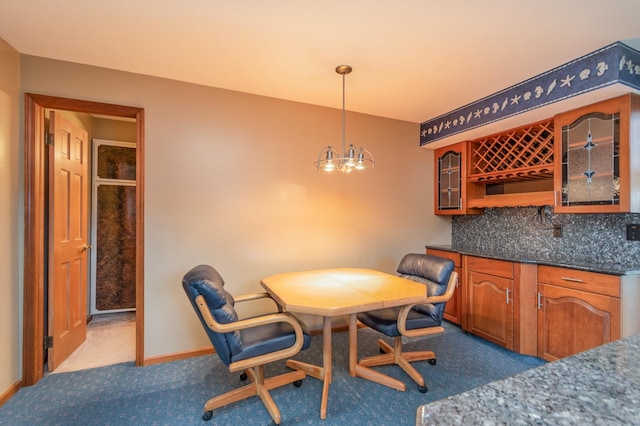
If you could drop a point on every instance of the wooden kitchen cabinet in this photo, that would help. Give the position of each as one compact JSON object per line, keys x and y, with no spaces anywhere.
{"x":512,"y":168}
{"x":450,"y":193}
{"x":597,"y":150}
{"x":453,"y":309}
{"x":500,"y":305}
{"x":490,"y":310}
{"x":579,"y":310}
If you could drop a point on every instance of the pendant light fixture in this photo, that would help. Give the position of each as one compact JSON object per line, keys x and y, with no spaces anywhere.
{"x":349,"y":159}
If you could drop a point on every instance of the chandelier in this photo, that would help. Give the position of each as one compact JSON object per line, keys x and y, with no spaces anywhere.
{"x":329,"y":159}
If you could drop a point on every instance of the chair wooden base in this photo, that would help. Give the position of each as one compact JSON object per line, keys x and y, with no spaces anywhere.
{"x":394,"y":355}
{"x":258,"y":386}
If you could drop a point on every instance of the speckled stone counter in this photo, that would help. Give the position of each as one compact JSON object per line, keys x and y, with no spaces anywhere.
{"x":567,"y":261}
{"x":597,"y":387}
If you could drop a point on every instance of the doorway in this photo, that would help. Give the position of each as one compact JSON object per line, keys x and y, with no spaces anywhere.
{"x":35,"y":224}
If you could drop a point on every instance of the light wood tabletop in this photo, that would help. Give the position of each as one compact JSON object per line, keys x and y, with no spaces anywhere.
{"x":335,"y":292}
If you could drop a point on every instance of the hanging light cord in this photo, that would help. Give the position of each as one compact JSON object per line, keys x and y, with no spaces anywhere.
{"x":343,"y":115}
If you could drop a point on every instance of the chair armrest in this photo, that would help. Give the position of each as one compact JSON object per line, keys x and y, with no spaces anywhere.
{"x":256,"y":296}
{"x":251,"y":296}
{"x":254,"y":322}
{"x":404,"y":311}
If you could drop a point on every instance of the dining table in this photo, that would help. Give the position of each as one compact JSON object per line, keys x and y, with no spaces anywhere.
{"x":336,"y":292}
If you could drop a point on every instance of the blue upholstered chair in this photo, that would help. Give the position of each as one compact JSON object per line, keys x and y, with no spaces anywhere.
{"x":424,"y":318}
{"x":247,"y":344}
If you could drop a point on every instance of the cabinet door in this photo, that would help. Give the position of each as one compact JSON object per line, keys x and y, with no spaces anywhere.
{"x":490,"y":307}
{"x":572,"y":321}
{"x":592,"y":157}
{"x":449,"y":181}
{"x":450,"y":190}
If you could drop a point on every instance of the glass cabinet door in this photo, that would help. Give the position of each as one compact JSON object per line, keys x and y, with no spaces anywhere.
{"x":591,"y":160}
{"x":449,"y":181}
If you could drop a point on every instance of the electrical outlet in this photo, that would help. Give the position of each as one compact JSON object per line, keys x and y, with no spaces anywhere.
{"x":557,"y":230}
{"x":633,"y":232}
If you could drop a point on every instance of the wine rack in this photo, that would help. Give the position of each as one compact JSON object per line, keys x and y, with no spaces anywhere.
{"x":521,"y":154}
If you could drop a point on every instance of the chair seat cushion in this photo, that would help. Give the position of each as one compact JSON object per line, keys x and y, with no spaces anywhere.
{"x":269,"y":338}
{"x":386,"y":320}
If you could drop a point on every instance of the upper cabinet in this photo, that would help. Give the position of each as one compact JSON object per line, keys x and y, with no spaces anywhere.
{"x":597,"y":148}
{"x":507,"y":169}
{"x":581,"y":161}
{"x":451,"y":180}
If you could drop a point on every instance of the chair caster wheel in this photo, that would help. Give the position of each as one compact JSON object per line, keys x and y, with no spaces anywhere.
{"x":432,"y":361}
{"x":206,"y":416}
{"x":297,"y":383}
{"x":243,"y":376}
{"x":422,"y":389}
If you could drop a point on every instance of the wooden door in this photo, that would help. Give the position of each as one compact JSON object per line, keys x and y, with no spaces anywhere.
{"x":572,"y":321}
{"x":68,"y":214}
{"x":491,"y":307}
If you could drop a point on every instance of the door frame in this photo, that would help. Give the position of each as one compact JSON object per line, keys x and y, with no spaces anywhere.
{"x":34,"y":223}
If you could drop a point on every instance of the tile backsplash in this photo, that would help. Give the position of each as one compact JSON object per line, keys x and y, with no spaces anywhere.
{"x":529,"y":230}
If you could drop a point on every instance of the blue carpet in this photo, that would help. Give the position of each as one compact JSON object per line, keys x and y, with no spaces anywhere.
{"x":174,"y":393}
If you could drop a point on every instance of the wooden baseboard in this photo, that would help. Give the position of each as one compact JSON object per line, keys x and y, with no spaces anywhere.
{"x":7,"y":394}
{"x":207,"y":351}
{"x":176,"y":356}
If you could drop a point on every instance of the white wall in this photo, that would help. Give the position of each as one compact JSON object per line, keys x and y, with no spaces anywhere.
{"x":230,"y":182}
{"x":10,"y":221}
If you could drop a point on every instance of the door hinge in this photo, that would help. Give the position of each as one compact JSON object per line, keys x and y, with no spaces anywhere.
{"x":48,"y":342}
{"x":48,"y":138}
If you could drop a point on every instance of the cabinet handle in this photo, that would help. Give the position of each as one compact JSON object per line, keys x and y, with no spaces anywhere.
{"x":507,"y":296}
{"x":539,"y":300}
{"x":573,"y":280}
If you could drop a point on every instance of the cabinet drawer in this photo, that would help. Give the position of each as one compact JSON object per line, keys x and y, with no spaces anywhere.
{"x":498,"y":268}
{"x":455,"y":256}
{"x":608,"y":285}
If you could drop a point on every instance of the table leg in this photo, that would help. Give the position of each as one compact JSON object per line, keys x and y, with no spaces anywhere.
{"x":353,"y":344}
{"x":326,"y":364}
{"x":321,"y":373}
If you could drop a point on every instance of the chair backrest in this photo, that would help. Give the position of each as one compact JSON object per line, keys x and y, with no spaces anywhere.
{"x":432,"y":271}
{"x":204,"y":280}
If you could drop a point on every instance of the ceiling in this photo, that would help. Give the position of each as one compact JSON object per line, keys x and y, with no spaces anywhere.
{"x":412,"y":59}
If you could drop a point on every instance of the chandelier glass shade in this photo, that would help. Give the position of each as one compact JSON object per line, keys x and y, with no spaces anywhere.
{"x":350,"y":159}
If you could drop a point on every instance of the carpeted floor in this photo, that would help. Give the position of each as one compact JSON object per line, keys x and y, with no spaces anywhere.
{"x":174,"y":393}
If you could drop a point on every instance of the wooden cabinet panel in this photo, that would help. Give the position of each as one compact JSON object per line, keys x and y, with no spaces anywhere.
{"x":453,"y":309}
{"x":608,"y":285}
{"x":500,"y":268}
{"x":572,"y":321}
{"x":490,"y":307}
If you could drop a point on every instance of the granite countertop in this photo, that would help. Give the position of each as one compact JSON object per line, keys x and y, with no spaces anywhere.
{"x":575,"y":262}
{"x":599,"y":386}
